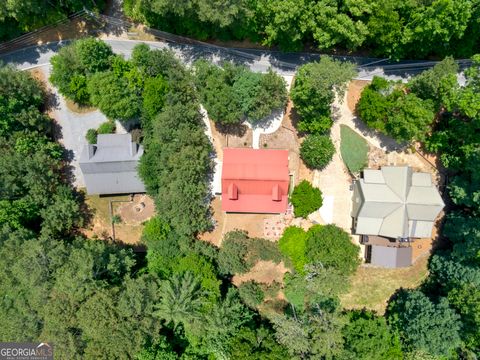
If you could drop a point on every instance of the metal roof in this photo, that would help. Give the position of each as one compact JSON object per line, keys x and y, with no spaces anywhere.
{"x":391,"y":257}
{"x":110,"y":165}
{"x":396,"y":202}
{"x":259,"y":177}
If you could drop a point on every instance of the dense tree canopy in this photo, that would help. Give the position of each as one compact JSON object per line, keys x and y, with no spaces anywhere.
{"x":368,"y":336}
{"x":411,"y":29}
{"x":233,"y":93}
{"x":385,"y":106}
{"x":425,"y":325}
{"x":315,"y":88}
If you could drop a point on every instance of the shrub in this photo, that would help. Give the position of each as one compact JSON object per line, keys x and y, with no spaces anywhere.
{"x":305,"y":199}
{"x":295,"y":290}
{"x":251,"y":293}
{"x":116,"y":219}
{"x":233,"y":250}
{"x":107,"y":127}
{"x":238,"y":253}
{"x":262,"y":249}
{"x":317,"y":151}
{"x":332,"y":247}
{"x":91,"y":136}
{"x":354,"y":149}
{"x":292,"y":245}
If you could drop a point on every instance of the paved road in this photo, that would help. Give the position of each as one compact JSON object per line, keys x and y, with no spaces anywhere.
{"x":257,"y":60}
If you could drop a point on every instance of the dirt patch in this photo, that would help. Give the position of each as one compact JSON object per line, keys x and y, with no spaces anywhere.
{"x":215,"y":236}
{"x":378,"y":158}
{"x":79,"y":109}
{"x":355,"y":88}
{"x":39,"y":75}
{"x":140,"y":32}
{"x":372,"y":287}
{"x":286,"y":138}
{"x":265,"y":272}
{"x":252,"y":223}
{"x":138,"y":211}
{"x":72,"y":29}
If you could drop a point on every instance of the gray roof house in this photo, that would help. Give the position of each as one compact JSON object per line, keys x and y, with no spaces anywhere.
{"x":110,"y":165}
{"x":394,"y":205}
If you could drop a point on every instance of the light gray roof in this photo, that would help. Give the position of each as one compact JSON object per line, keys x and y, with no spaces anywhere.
{"x":110,"y":166}
{"x":395,"y":202}
{"x":391,"y":257}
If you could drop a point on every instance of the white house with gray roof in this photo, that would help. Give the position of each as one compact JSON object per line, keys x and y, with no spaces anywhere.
{"x":395,"y":202}
{"x":391,"y":207}
{"x":110,"y":165}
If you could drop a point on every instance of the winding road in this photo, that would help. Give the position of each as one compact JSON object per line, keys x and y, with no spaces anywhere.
{"x":257,"y":60}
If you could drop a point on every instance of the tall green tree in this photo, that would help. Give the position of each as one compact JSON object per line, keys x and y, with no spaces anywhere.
{"x":424,"y":325}
{"x":315,"y":88}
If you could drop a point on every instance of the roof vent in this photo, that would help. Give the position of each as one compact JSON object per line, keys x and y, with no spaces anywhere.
{"x":232,"y":192}
{"x":276,"y":193}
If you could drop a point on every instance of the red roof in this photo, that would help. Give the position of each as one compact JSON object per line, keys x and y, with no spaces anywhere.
{"x":255,"y":181}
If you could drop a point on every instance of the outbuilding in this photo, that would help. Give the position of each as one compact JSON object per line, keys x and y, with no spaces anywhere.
{"x":255,"y":180}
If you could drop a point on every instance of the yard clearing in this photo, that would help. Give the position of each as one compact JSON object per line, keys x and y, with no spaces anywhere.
{"x":133,"y":212}
{"x":372,"y":287}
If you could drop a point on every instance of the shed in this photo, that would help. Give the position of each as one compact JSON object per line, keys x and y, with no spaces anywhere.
{"x":255,"y":180}
{"x":389,"y":256}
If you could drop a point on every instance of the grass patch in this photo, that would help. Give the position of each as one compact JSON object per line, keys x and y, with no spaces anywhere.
{"x":100,"y":205}
{"x":354,"y":149}
{"x":372,"y":287}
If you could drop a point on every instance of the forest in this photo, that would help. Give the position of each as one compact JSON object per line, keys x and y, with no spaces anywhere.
{"x":18,"y":16}
{"x":411,"y":29}
{"x":98,"y":300}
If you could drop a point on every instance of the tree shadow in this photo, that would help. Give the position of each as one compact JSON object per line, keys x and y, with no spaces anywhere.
{"x":385,"y":141}
{"x":237,"y":129}
{"x":215,"y":54}
{"x":30,"y":54}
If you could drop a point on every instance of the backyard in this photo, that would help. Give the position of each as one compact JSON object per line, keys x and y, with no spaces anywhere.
{"x":371,"y":287}
{"x":129,"y":215}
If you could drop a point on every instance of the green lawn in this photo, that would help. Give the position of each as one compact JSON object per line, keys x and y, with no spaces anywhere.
{"x":353,"y":148}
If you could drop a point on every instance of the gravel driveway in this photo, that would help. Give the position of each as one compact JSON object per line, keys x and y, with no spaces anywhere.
{"x":74,"y":126}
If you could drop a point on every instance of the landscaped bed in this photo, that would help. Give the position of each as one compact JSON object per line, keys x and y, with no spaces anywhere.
{"x":354,"y":149}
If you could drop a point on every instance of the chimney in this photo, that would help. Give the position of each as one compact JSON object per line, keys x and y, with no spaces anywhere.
{"x":91,"y":150}
{"x":133,"y":149}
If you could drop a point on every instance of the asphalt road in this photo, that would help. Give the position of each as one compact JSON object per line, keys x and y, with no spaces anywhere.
{"x":256,"y":60}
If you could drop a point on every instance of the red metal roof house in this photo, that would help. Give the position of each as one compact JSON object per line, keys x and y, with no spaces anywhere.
{"x":255,"y":181}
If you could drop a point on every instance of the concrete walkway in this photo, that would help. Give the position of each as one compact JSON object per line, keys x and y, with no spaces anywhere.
{"x":343,"y":115}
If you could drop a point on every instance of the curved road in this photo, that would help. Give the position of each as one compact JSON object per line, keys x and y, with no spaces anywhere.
{"x":256,"y":60}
